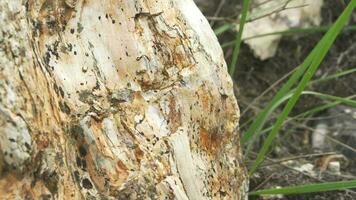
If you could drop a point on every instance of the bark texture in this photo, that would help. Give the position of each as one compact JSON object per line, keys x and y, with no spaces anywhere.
{"x":115,"y":99}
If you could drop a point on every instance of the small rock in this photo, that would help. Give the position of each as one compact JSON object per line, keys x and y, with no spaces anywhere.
{"x":319,"y":134}
{"x":272,"y":16}
{"x":308,"y":168}
{"x":348,"y":110}
{"x":334,"y":167}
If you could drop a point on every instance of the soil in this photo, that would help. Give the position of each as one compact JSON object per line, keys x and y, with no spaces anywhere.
{"x":253,"y":77}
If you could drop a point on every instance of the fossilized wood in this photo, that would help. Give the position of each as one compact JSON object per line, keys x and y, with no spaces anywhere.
{"x":125,"y":99}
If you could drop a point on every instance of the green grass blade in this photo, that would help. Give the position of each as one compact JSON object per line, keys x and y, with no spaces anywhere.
{"x":321,"y":52}
{"x":261,"y":118}
{"x":224,"y":28}
{"x":264,"y":119}
{"x":319,"y":187}
{"x":261,"y":121}
{"x":334,"y":76}
{"x":292,"y":31}
{"x":342,"y":100}
{"x":300,"y":31}
{"x":322,"y":107}
{"x":238,"y":40}
{"x":337,"y":100}
{"x":322,"y":79}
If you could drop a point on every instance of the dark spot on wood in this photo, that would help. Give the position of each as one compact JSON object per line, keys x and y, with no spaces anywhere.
{"x":84,"y":164}
{"x":47,"y":58}
{"x":70,"y":47}
{"x":27,"y":146}
{"x":37,"y":27}
{"x":87,"y":184}
{"x":64,"y":107}
{"x":76,"y":176}
{"x":79,"y":27}
{"x":122,"y":96}
{"x":79,"y":162}
{"x":224,"y":96}
{"x":76,"y":131}
{"x":222,"y":193}
{"x":72,"y":30}
{"x":90,"y":45}
{"x":46,"y":197}
{"x":61,"y":91}
{"x":51,"y":24}
{"x":97,"y":86}
{"x":82,"y":151}
{"x":86,"y":96}
{"x":51,"y":181}
{"x":84,"y":69}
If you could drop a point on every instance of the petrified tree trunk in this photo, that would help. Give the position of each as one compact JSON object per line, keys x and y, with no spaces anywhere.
{"x":125,"y":99}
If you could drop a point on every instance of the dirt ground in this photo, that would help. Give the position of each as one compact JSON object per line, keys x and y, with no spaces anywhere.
{"x":254,"y":76}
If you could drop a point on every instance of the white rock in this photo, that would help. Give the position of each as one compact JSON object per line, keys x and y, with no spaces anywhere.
{"x":305,"y":168}
{"x":334,"y":167}
{"x":319,"y":134}
{"x":300,"y":14}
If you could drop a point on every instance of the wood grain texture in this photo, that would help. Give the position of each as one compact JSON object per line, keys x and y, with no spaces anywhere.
{"x":115,"y":100}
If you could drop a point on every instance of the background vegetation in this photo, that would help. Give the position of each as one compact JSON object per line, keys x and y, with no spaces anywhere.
{"x":311,"y":80}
